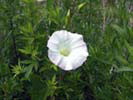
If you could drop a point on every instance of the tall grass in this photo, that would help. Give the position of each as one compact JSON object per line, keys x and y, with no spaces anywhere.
{"x":26,"y":73}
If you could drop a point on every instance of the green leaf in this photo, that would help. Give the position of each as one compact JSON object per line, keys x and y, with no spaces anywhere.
{"x":124,"y":69}
{"x":118,"y":29}
{"x":122,"y":60}
{"x":38,"y":88}
{"x":80,"y":6}
{"x":50,"y":4}
{"x":4,"y":69}
{"x":67,"y":18}
{"x":17,"y":69}
{"x":28,"y":71}
{"x":24,"y":51}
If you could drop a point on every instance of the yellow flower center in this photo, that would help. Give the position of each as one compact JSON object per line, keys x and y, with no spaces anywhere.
{"x":64,"y":51}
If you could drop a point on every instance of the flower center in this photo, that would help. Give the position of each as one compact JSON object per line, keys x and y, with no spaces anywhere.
{"x":64,"y":51}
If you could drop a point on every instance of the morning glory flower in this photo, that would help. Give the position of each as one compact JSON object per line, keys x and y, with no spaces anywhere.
{"x":67,"y":50}
{"x":40,"y":0}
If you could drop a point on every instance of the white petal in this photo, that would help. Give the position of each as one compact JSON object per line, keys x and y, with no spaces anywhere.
{"x":68,"y":66}
{"x":77,"y":57}
{"x":56,"y":39}
{"x":75,"y":37}
{"x":52,"y":46}
{"x":63,"y":63}
{"x":57,"y":59}
{"x":82,"y":50}
{"x":40,"y":0}
{"x":54,"y":57}
{"x":59,"y":36}
{"x":77,"y":41}
{"x":79,"y":61}
{"x":76,"y":60}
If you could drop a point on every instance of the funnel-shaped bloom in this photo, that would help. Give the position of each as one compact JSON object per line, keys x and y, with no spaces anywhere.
{"x":67,"y":50}
{"x":40,"y":0}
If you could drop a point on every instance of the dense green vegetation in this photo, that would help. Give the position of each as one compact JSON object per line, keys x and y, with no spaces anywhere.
{"x":26,"y":73}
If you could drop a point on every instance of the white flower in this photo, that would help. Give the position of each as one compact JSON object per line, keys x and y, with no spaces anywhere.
{"x":67,"y":50}
{"x":40,"y":0}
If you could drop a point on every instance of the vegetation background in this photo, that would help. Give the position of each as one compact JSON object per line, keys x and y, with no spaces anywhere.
{"x":26,"y":73}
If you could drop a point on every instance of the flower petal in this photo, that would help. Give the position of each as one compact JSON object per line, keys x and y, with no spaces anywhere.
{"x":77,"y":41}
{"x":57,"y":59}
{"x":59,"y":36}
{"x":76,"y":60}
{"x":56,"y":39}
{"x":54,"y":57}
{"x":68,"y":66}
{"x":82,"y":50}
{"x":77,"y":57}
{"x":52,"y":46}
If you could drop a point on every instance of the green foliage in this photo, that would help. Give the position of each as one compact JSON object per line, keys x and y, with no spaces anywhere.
{"x":26,"y":73}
